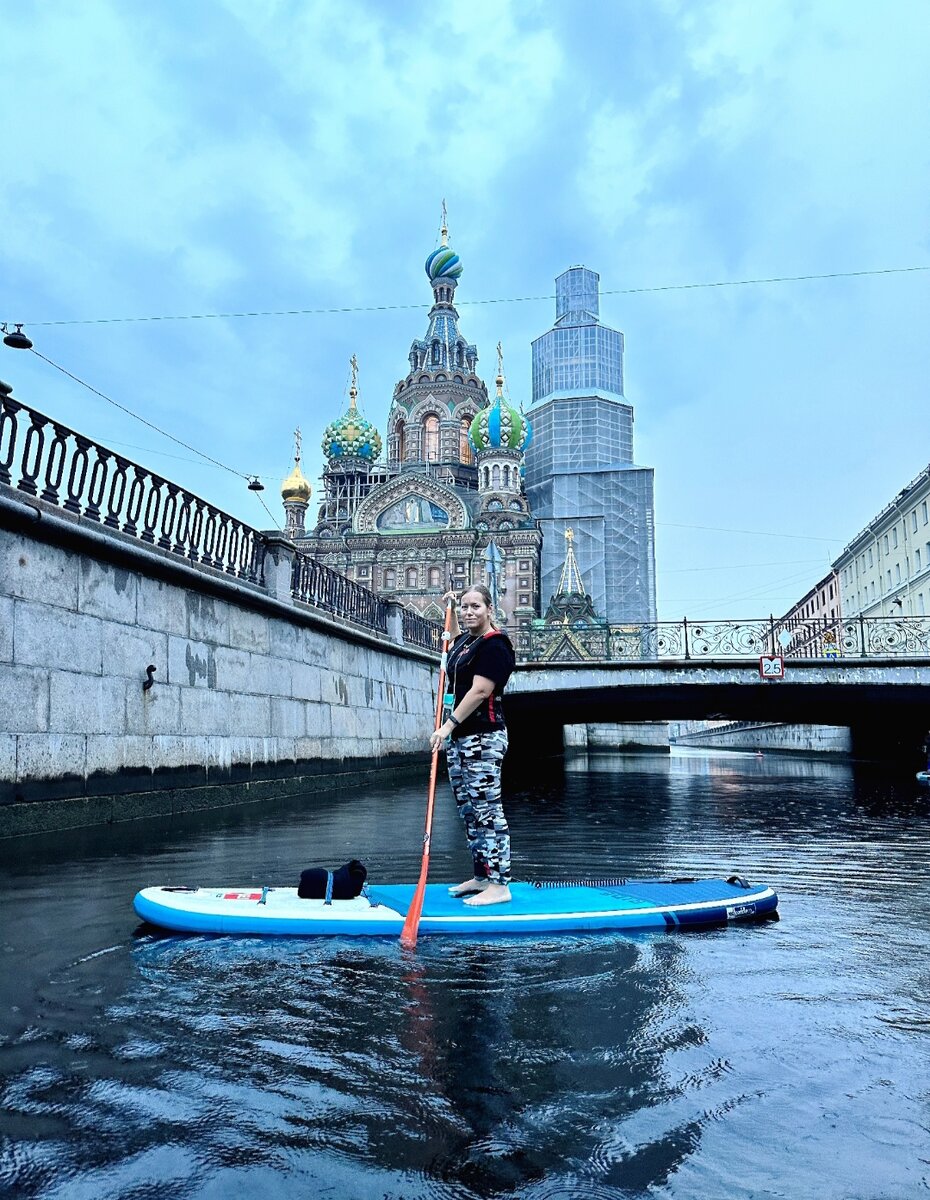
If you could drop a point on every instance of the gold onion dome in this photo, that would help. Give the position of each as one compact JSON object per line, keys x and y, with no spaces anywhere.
{"x":351,"y":436}
{"x":296,"y":486}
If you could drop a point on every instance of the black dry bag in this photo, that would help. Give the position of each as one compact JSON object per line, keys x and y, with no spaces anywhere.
{"x":347,"y":882}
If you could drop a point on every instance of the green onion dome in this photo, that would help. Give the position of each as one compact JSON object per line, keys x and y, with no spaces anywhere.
{"x":500,"y":426}
{"x":351,"y":436}
{"x":443,"y":263}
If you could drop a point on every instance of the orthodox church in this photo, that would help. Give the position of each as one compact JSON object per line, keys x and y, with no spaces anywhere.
{"x":448,"y":501}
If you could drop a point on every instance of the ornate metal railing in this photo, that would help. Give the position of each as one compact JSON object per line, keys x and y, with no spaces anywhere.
{"x":324,"y":588}
{"x":856,"y":637}
{"x":42,"y":457}
{"x":418,"y":631}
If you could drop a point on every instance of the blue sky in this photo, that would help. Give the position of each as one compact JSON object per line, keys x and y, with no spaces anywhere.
{"x":176,"y":158}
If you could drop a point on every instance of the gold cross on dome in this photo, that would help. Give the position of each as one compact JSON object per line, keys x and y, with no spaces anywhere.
{"x":297,"y":444}
{"x":569,"y":536}
{"x":500,"y":359}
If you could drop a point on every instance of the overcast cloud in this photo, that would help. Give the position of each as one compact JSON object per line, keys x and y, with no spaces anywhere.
{"x":172,"y":158}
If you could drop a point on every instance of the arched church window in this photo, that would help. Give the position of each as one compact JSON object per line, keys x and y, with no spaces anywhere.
{"x":390,"y":577}
{"x":506,"y":476}
{"x":495,"y":476}
{"x":401,"y":434}
{"x":435,"y":352}
{"x":431,"y":438}
{"x":459,"y":355}
{"x":411,"y":577}
{"x":435,"y":577}
{"x":466,"y":454}
{"x":487,"y":477}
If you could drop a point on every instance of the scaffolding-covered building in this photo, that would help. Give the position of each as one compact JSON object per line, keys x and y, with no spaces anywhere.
{"x":580,"y":471}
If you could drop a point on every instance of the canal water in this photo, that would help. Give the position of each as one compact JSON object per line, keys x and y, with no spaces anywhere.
{"x":789,"y":1059}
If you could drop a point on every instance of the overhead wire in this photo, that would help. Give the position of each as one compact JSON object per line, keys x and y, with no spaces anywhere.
{"x":369,"y":308}
{"x":164,"y":433}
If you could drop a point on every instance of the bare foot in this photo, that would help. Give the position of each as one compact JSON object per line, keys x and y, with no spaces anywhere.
{"x":494,"y":893}
{"x":469,"y":888}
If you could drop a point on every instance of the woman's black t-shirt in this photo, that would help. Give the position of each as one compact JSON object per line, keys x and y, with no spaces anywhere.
{"x":491,"y":656}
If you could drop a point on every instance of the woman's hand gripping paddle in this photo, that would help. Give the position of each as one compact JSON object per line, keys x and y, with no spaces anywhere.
{"x":408,"y":935}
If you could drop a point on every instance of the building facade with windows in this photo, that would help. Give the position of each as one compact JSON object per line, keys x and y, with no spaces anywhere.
{"x":451,"y":484}
{"x":885,"y":569}
{"x":811,"y":628}
{"x":580,"y":471}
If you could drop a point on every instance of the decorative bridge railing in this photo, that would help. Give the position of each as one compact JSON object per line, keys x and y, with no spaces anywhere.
{"x":324,"y":588}
{"x":418,"y":631}
{"x":857,"y":637}
{"x":42,"y":457}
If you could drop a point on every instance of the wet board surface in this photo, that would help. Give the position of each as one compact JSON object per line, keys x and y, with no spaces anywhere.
{"x":534,"y":908}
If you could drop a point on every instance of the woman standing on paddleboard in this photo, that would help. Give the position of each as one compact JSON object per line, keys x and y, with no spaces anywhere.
{"x":480,"y":661}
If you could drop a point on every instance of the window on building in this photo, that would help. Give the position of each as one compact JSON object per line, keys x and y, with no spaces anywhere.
{"x":914,"y":520}
{"x":466,"y":454}
{"x":917,"y":560}
{"x":390,"y":577}
{"x":920,"y":603}
{"x":923,"y":512}
{"x":431,"y":438}
{"x":870,"y":557}
{"x":435,"y":577}
{"x":363,"y":571}
{"x":897,"y":572}
{"x":894,"y":538}
{"x":401,"y":434}
{"x":888,"y":580}
{"x":411,"y":577}
{"x":435,"y":352}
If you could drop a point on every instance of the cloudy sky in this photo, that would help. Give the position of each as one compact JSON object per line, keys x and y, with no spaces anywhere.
{"x":166,"y":159}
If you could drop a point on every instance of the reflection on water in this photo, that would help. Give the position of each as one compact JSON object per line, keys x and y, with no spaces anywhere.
{"x":731,"y":1062}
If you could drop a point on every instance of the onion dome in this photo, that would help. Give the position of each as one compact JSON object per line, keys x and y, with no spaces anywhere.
{"x":443,"y":263}
{"x":351,"y":435}
{"x":500,"y":426}
{"x":296,"y":487}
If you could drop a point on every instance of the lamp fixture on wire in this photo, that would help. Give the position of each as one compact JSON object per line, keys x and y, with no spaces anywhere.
{"x":17,"y":340}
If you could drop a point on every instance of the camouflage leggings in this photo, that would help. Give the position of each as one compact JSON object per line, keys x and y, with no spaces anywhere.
{"x":475,"y":775}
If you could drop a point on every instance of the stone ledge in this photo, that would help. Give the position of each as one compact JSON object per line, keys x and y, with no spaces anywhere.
{"x":130,"y":796}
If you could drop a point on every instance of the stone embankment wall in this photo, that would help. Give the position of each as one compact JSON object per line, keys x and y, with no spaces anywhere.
{"x":647,"y":737}
{"x":250,"y":689}
{"x":784,"y":739}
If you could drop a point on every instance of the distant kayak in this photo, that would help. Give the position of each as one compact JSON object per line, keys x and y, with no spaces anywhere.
{"x":536,"y":908}
{"x":923,"y":776}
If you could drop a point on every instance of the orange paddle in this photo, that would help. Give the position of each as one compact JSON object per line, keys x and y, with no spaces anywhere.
{"x":408,"y":935}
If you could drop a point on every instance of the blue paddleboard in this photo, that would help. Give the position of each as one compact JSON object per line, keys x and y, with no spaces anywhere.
{"x":535,"y":908}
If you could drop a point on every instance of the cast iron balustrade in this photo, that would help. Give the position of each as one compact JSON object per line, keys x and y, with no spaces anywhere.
{"x":44,"y":458}
{"x":418,"y":631}
{"x":825,"y":640}
{"x":324,"y":588}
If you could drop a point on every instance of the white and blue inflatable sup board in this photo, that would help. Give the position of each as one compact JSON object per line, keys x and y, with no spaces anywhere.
{"x":536,"y":908}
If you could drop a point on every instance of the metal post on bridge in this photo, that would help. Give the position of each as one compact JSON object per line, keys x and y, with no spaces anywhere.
{"x":684,"y":622}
